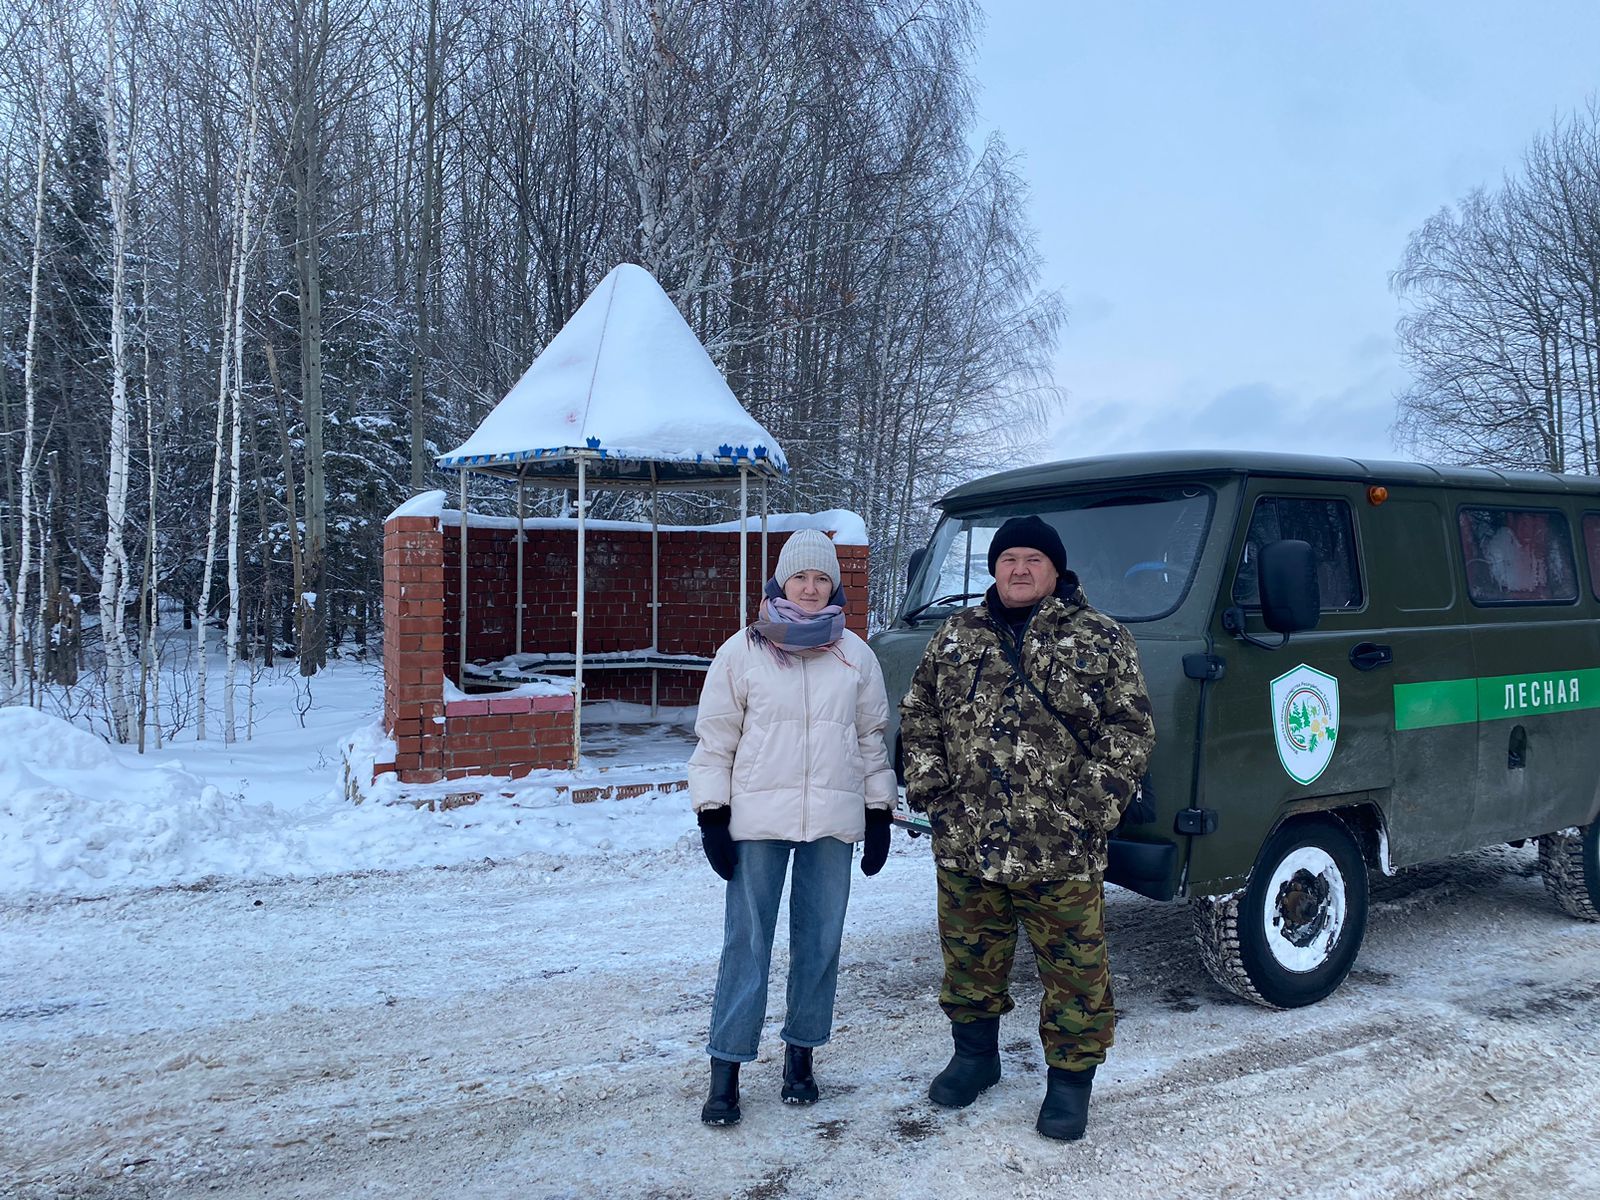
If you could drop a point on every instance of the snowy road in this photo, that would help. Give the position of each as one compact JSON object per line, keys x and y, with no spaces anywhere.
{"x":535,"y":1029}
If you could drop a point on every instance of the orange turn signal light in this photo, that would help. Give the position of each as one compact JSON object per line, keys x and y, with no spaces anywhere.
{"x":1377,"y":494}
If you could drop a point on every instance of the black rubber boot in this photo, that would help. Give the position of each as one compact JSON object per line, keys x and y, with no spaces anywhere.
{"x":1064,"y":1115}
{"x":722,"y":1106}
{"x":973,"y":1067}
{"x":799,"y":1086}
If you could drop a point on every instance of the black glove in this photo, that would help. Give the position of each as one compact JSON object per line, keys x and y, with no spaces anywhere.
{"x":716,"y":841}
{"x":876,"y":851}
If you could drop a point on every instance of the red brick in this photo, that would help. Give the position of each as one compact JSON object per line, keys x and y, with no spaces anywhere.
{"x":411,"y":524}
{"x":510,"y":704}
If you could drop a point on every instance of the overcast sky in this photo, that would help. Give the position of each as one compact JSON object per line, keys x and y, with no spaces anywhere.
{"x":1221,"y":191}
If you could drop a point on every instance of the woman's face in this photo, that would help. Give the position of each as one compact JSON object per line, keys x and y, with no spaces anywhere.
{"x":809,"y":589}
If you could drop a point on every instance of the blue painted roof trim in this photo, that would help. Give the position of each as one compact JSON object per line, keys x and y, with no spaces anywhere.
{"x":725,"y":453}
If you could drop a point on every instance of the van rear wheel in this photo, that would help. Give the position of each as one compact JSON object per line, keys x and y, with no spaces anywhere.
{"x":1290,"y":937}
{"x":1570,"y":863}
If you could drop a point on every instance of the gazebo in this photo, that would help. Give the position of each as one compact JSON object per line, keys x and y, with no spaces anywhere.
{"x":624,"y":396}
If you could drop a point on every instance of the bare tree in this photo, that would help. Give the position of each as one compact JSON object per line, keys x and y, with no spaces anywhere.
{"x":1501,"y":329}
{"x":244,"y":241}
{"x":21,"y":664}
{"x":432,"y":191}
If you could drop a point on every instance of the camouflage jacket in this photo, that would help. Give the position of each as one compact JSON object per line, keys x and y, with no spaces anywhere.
{"x":1012,"y":797}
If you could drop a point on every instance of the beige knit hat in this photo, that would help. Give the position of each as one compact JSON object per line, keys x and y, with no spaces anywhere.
{"x":807,"y":550}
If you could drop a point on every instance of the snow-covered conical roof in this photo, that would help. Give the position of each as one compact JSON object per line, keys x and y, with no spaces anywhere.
{"x":627,"y":384}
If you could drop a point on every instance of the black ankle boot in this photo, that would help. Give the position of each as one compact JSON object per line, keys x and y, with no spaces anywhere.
{"x":974,"y":1066}
{"x":799,"y":1087}
{"x":1064,"y":1115}
{"x":722,"y":1106}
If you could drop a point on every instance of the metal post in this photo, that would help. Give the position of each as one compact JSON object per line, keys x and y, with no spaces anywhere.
{"x":655,"y":594}
{"x":461,"y":673}
{"x":764,"y":567}
{"x":577,"y":675}
{"x":744,"y":546}
{"x":520,"y":472}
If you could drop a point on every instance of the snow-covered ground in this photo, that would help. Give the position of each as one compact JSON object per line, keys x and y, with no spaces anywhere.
{"x":79,"y":817}
{"x":261,"y":991}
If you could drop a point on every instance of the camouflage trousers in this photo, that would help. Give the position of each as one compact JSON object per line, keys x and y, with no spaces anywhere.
{"x":1065,"y":922}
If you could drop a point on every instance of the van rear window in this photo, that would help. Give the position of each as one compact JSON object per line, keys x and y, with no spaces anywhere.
{"x":1591,"y":546}
{"x":1517,"y":556}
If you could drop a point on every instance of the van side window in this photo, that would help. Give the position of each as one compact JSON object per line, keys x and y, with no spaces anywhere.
{"x":1326,"y":525}
{"x":1591,"y":546}
{"x":1517,"y":556}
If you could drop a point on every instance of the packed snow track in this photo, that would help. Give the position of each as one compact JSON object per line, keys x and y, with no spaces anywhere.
{"x":535,"y":1028}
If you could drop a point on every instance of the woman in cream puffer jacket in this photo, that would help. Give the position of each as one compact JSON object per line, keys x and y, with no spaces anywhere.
{"x":791,"y":764}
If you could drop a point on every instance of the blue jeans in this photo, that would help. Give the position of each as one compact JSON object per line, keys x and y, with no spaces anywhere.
{"x":818,"y":895}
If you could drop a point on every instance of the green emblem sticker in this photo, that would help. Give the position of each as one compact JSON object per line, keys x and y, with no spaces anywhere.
{"x":1305,"y":721}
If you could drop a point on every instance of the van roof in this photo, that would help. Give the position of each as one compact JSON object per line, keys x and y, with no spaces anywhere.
{"x":1073,"y":473}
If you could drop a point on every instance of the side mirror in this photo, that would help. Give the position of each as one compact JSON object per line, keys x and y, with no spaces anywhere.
{"x":913,"y":563}
{"x":1291,"y":601}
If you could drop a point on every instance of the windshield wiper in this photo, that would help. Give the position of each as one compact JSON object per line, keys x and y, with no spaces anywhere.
{"x":911,"y":617}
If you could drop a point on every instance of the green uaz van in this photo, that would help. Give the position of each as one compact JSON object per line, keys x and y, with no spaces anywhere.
{"x":1354,"y":667}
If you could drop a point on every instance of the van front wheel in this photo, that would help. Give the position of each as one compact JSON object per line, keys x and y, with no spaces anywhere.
{"x":1570,"y":864}
{"x":1290,"y":937}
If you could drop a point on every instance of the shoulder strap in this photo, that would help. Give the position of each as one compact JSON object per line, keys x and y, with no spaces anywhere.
{"x":1014,"y":658}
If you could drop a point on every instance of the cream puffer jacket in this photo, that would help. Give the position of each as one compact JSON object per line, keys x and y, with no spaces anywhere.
{"x":797,"y":749}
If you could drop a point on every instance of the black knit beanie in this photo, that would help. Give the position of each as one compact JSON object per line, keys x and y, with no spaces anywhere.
{"x":1032,"y":533}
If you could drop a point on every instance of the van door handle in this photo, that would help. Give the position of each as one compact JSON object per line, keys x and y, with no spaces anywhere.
{"x":1368,"y":655}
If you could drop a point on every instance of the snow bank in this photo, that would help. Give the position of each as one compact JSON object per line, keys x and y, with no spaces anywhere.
{"x":80,"y":817}
{"x":74,"y":814}
{"x":848,"y":528}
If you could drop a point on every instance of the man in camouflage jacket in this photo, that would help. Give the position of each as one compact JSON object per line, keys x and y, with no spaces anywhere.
{"x":1021,"y":799}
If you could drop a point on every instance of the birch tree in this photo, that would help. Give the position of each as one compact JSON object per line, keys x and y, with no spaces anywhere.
{"x":244,"y":239}
{"x":226,"y":419}
{"x":114,"y":564}
{"x":21,"y":665}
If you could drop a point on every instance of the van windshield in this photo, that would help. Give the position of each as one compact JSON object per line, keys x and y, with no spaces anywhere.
{"x":1134,"y":552}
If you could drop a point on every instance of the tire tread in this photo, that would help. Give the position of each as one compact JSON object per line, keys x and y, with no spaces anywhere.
{"x":1216,"y":928}
{"x":1561,"y":862}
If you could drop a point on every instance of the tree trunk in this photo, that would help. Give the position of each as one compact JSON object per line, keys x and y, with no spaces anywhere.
{"x":149,"y":594}
{"x":427,"y":223}
{"x":286,"y":448}
{"x":242,"y":243}
{"x":203,"y":608}
{"x":114,"y":566}
{"x":305,"y":175}
{"x":21,"y":658}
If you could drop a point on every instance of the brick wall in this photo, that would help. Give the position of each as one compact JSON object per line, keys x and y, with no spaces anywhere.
{"x":500,"y":735}
{"x":699,"y":589}
{"x":506,"y":735}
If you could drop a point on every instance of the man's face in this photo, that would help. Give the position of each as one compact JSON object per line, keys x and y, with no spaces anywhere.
{"x":1024,"y":576}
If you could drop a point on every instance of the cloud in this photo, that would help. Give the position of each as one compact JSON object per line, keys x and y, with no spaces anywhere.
{"x":1256,"y":415}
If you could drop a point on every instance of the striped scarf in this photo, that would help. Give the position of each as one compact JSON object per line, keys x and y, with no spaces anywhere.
{"x":785,"y":628}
